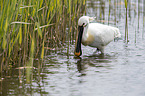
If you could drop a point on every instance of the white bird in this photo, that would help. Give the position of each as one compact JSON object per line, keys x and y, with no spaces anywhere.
{"x":94,"y":35}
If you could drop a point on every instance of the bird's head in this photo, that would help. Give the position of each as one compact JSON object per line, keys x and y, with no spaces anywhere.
{"x":84,"y":20}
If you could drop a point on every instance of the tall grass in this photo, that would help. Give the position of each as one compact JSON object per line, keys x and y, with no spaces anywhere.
{"x":27,"y":27}
{"x":126,"y":21}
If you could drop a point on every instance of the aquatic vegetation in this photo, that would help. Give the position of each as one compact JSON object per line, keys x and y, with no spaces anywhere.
{"x":126,"y":23}
{"x":37,"y":40}
{"x":27,"y":27}
{"x":30,"y":28}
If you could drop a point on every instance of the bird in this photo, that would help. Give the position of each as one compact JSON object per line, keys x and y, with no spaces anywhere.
{"x":95,"y":35}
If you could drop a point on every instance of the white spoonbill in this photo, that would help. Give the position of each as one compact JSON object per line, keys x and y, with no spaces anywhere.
{"x":94,"y":35}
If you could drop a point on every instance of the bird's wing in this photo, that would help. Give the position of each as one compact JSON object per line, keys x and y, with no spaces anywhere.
{"x":103,"y":33}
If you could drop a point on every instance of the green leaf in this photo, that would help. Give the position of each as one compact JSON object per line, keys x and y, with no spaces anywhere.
{"x":42,"y":52}
{"x":125,"y":3}
{"x":6,"y":25}
{"x":39,"y":30}
{"x":20,"y":35}
{"x":4,"y":42}
{"x":32,"y":47}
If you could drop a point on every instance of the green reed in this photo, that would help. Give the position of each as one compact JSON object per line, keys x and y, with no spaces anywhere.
{"x":126,"y":21}
{"x":109,"y":11}
{"x":28,"y":27}
{"x":31,"y":28}
{"x":143,"y":18}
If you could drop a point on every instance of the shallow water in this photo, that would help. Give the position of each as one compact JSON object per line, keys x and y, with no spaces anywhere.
{"x":119,"y":72}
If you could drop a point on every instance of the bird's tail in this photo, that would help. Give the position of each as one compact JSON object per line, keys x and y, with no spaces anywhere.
{"x":117,"y":33}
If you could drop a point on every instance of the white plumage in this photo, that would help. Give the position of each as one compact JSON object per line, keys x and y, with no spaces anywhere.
{"x":94,"y":34}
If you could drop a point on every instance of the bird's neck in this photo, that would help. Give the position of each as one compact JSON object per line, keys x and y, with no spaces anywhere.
{"x":85,"y":33}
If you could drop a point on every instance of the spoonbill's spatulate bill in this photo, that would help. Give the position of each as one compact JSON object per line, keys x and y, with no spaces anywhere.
{"x":94,"y":35}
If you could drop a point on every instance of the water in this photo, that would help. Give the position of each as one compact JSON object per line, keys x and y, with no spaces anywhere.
{"x":119,"y":72}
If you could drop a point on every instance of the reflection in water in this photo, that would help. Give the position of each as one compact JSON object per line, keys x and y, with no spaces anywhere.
{"x":95,"y":60}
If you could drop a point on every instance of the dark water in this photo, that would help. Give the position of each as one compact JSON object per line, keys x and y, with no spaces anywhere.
{"x":119,"y":72}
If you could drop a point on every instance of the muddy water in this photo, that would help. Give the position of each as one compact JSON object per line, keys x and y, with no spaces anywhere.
{"x":119,"y":72}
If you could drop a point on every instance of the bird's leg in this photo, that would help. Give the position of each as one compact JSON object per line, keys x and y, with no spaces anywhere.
{"x":102,"y":50}
{"x":97,"y":51}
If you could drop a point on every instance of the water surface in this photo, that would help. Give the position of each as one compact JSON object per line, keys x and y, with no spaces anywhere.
{"x":119,"y":72}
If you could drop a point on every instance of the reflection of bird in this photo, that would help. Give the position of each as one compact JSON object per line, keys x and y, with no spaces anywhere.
{"x":94,"y":35}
